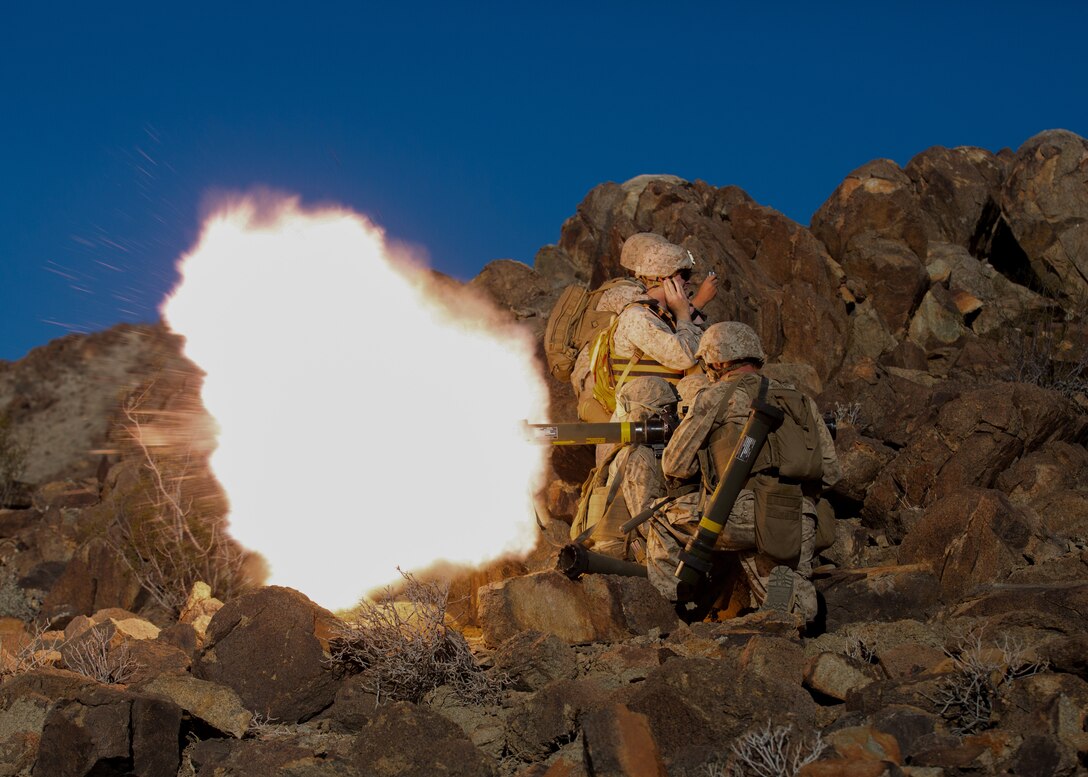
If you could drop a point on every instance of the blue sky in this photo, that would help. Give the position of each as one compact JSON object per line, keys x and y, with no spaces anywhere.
{"x":472,"y":131}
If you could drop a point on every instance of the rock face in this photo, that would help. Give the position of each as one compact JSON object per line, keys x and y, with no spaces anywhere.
{"x":595,"y":609}
{"x":277,"y":662}
{"x":62,"y":398}
{"x":1045,"y":205}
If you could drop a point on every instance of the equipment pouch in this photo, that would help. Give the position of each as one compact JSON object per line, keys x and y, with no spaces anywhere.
{"x":825,"y":525}
{"x":778,"y":509}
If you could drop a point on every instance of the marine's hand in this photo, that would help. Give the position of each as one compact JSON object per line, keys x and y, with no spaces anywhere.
{"x":708,"y":290}
{"x":677,"y":299}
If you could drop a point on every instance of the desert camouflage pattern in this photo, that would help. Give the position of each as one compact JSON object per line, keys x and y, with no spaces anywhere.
{"x":649,"y":255}
{"x":643,"y":482}
{"x":668,"y":532}
{"x":730,"y":341}
{"x":667,"y":536}
{"x":642,"y":485}
{"x":613,"y":300}
{"x":687,"y":388}
{"x":640,"y":328}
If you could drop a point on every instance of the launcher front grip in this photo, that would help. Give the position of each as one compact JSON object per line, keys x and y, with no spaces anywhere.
{"x":695,"y":558}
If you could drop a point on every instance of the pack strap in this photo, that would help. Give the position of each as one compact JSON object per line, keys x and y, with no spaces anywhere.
{"x":581,"y":538}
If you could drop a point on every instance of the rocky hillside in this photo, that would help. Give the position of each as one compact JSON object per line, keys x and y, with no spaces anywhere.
{"x":940,"y":311}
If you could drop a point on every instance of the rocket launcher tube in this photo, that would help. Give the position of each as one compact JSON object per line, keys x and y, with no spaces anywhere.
{"x":576,"y":560}
{"x":655,"y":430}
{"x":695,"y":559}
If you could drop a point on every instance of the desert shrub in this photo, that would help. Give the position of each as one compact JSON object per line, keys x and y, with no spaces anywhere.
{"x":91,"y":655}
{"x":780,"y":751}
{"x":405,"y":649}
{"x":36,"y":653}
{"x":966,"y":697}
{"x":1049,"y":353}
{"x":169,"y":527}
{"x":12,"y":461}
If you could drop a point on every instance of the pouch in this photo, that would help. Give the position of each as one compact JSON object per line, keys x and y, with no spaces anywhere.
{"x":778,"y":509}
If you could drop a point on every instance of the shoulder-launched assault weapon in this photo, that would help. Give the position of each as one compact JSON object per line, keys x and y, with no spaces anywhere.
{"x":655,"y":430}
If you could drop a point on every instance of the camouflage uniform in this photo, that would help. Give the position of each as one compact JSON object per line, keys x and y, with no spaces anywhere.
{"x":642,"y":481}
{"x":681,"y":460}
{"x":614,"y":300}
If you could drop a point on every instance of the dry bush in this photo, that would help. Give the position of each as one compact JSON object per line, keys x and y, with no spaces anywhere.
{"x":90,"y":655}
{"x":966,"y":697}
{"x":769,"y":752}
{"x":1051,"y":354}
{"x":12,"y":461}
{"x":37,"y":653}
{"x":169,"y":530}
{"x":405,"y":649}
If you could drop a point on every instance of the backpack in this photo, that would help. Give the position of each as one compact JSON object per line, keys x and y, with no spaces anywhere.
{"x":573,"y":323}
{"x":794,"y":447}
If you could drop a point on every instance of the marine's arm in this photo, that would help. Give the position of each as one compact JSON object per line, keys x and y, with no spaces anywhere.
{"x":643,"y":483}
{"x":639,"y":328}
{"x":831,"y":467}
{"x":680,"y":459}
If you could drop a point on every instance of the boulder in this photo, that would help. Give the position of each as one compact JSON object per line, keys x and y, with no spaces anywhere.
{"x":695,"y":705}
{"x":1053,"y":467}
{"x":532,"y":660}
{"x":999,"y":301}
{"x":1051,"y":710}
{"x":105,"y":728}
{"x":406,"y":740}
{"x":272,"y":648}
{"x":619,"y":743}
{"x":866,"y":743}
{"x":889,"y":593}
{"x":595,"y":608}
{"x":956,"y":188}
{"x":354,"y":704}
{"x":277,"y":754}
{"x":938,"y":322}
{"x":25,"y":702}
{"x":543,"y":722}
{"x":879,"y":199}
{"x":1045,"y":204}
{"x":893,"y":274}
{"x":63,"y":395}
{"x":970,"y":539}
{"x":837,"y":676}
{"x":625,"y":663}
{"x":975,"y":437}
{"x":516,"y":287}
{"x":1065,"y":601}
{"x":215,"y":704}
{"x":861,"y":459}
{"x":95,"y":579}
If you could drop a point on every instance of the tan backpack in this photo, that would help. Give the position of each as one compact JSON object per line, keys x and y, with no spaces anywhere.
{"x":573,"y":323}
{"x":794,"y":448}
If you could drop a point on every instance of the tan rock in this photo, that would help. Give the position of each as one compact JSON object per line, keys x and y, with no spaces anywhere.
{"x":619,"y":743}
{"x":216,"y":705}
{"x":594,"y":608}
{"x":864,"y":743}
{"x":837,"y":676}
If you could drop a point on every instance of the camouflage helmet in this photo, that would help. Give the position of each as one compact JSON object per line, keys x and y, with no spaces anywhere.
{"x":730,"y":341}
{"x":644,"y":396}
{"x":649,"y":255}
